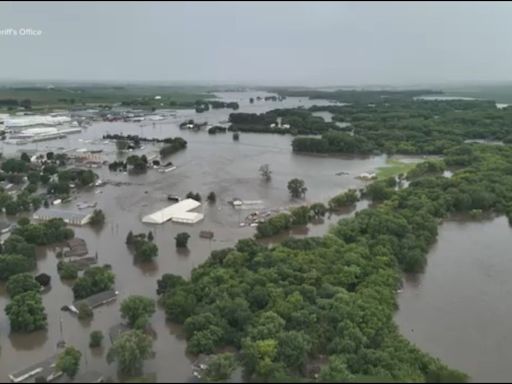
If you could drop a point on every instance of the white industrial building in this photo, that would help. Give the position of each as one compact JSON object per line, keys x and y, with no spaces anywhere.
{"x":31,"y":120}
{"x":178,"y":213}
{"x":69,"y":217}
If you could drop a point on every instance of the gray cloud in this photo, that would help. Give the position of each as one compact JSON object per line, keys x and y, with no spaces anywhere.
{"x":301,"y":43}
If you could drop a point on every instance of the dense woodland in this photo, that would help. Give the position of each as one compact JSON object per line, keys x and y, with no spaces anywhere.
{"x":329,"y":302}
{"x":410,"y":127}
{"x":301,"y":121}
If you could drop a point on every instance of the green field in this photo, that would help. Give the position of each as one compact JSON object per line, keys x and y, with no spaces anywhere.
{"x":58,"y":97}
{"x":393,"y":168}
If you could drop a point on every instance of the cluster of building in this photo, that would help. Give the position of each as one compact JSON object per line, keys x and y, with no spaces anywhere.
{"x":22,"y":129}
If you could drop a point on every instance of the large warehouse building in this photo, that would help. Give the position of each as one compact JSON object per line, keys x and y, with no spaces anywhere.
{"x":178,"y":212}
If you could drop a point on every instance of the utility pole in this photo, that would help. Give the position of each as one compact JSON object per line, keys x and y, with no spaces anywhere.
{"x":61,"y":343}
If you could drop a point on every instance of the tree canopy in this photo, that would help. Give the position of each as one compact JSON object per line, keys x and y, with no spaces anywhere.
{"x":26,"y":312}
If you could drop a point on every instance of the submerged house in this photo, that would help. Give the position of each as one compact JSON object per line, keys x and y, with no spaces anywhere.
{"x":45,"y":369}
{"x":94,"y":300}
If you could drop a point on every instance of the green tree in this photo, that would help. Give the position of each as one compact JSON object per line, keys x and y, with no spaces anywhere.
{"x":95,"y":339}
{"x":168,"y":282}
{"x":16,"y":244}
{"x":129,"y":238}
{"x":318,"y":209}
{"x":336,"y":371}
{"x":24,"y":157}
{"x":145,"y":250}
{"x":300,"y":215}
{"x":220,"y":367}
{"x":130,"y":350}
{"x":21,"y":283}
{"x":33,"y":177}
{"x":182,"y":240}
{"x":179,"y":305}
{"x":122,"y":145}
{"x":150,"y":236}
{"x":265,"y":172}
{"x":13,"y":264}
{"x":137,"y":310}
{"x":69,"y":361}
{"x":212,"y":197}
{"x":26,"y":312}
{"x":14,"y":166}
{"x":342,"y":200}
{"x":97,"y":218}
{"x":297,"y":188}
{"x":85,"y":312}
{"x":293,"y":349}
{"x":94,"y":280}
{"x":67,"y":270}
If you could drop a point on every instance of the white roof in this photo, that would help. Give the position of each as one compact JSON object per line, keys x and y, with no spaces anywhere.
{"x":23,"y":121}
{"x":188,"y":217}
{"x":171,"y":211}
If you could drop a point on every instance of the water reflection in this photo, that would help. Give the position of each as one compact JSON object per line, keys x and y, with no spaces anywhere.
{"x":22,"y":341}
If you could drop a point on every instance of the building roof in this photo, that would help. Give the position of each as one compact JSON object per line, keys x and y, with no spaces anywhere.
{"x":86,"y":377}
{"x":117,"y":330}
{"x":97,"y":299}
{"x":4,"y":225}
{"x":170,"y":212}
{"x":60,"y":213}
{"x":44,"y":368}
{"x":188,"y":217}
{"x":77,"y":247}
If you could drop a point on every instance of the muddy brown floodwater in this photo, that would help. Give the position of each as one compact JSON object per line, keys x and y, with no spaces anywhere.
{"x":460,"y":308}
{"x":210,"y":163}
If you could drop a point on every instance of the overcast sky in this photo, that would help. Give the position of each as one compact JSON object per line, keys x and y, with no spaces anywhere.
{"x":293,"y":43}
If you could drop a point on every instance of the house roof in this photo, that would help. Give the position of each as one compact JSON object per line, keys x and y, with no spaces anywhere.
{"x":60,"y":213}
{"x":97,"y":299}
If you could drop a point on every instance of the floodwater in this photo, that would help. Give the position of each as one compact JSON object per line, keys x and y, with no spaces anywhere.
{"x":210,"y":163}
{"x":458,"y":309}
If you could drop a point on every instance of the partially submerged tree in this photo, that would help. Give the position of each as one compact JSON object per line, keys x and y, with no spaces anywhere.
{"x":130,"y":350}
{"x":97,"y":218}
{"x":212,"y":197}
{"x":297,"y":188}
{"x":94,"y":280}
{"x":220,"y":367}
{"x":95,"y":339}
{"x":265,"y":172}
{"x":137,"y":310}
{"x":84,"y":312}
{"x":26,"y":312}
{"x":69,"y":361}
{"x":182,"y":240}
{"x":21,"y":283}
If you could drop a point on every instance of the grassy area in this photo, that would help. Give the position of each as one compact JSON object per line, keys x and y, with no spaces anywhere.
{"x":64,"y":97}
{"x":393,"y":168}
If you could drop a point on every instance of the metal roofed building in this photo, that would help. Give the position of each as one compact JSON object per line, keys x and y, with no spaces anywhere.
{"x":44,"y":368}
{"x":95,"y":300}
{"x":86,"y":377}
{"x":69,"y":217}
{"x":178,"y":212}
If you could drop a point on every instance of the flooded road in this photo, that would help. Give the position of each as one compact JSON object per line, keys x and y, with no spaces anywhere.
{"x":210,"y":163}
{"x":459,"y":310}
